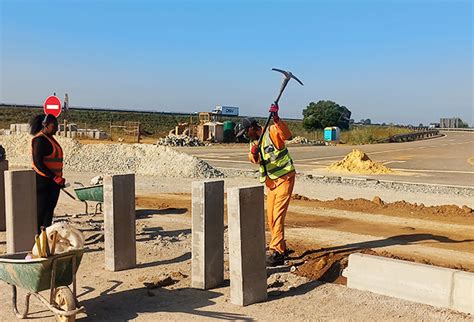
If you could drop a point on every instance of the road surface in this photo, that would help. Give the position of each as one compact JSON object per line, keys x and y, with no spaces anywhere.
{"x":447,"y":160}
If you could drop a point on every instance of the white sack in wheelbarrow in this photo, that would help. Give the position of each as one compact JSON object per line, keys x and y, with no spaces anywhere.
{"x":69,"y":238}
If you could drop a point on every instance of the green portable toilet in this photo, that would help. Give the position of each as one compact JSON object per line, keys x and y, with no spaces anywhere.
{"x":229,"y":131}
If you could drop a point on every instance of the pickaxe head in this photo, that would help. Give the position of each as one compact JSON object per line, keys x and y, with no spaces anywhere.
{"x":288,"y":75}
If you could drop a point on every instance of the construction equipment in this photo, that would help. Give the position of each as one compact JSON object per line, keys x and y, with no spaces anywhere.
{"x":93,"y":193}
{"x":39,"y":274}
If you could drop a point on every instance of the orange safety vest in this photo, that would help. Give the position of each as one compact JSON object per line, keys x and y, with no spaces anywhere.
{"x":54,"y":161}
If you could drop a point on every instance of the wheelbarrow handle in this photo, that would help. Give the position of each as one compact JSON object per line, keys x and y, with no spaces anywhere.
{"x":70,"y":195}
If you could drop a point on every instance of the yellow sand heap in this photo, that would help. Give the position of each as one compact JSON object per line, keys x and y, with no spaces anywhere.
{"x":358,"y":162}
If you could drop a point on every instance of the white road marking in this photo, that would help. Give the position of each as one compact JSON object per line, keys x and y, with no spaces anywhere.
{"x":341,"y":156}
{"x":435,"y":171}
{"x":387,"y":162}
{"x":232,"y":161}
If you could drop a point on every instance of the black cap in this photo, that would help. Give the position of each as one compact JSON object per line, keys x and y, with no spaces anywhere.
{"x":243,"y":126}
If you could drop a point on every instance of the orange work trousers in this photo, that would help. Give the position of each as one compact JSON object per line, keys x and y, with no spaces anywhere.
{"x":278,"y":200}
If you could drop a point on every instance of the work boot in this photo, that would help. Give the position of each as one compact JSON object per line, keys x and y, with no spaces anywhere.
{"x":275,"y":259}
{"x":288,"y":252}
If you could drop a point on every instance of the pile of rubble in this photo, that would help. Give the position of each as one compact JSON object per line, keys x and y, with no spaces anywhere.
{"x":179,"y":140}
{"x":303,"y":140}
{"x":142,"y":159}
{"x":298,"y":140}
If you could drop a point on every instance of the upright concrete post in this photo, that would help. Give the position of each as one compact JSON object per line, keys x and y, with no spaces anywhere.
{"x":207,"y":234}
{"x":248,"y":276}
{"x":119,"y":222}
{"x":3,"y":167}
{"x":20,"y":209}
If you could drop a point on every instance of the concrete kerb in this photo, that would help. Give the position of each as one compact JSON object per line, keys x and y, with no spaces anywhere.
{"x":20,"y":210}
{"x":207,"y":233}
{"x":119,"y":222}
{"x":437,"y":286}
{"x":248,"y":276}
{"x":3,"y":168}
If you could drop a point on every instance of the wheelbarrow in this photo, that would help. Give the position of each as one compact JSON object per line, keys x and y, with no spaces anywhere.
{"x":91,"y":193}
{"x":55,"y":273}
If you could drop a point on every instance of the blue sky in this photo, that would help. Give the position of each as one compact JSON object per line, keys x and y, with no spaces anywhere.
{"x":395,"y":61}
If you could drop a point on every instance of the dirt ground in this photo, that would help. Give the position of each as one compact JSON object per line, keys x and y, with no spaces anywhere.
{"x":321,"y":233}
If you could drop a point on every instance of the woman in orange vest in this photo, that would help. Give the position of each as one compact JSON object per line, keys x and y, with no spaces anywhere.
{"x":47,"y":156}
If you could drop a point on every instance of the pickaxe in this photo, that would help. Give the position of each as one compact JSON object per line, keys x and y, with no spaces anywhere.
{"x":288,"y":75}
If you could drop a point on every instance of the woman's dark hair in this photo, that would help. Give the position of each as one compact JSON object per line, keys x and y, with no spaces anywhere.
{"x":39,"y":121}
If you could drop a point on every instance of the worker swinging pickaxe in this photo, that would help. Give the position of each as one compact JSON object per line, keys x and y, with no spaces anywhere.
{"x":288,"y":75}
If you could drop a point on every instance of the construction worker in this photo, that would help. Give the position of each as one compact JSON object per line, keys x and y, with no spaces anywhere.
{"x":47,"y":156}
{"x":277,"y":172}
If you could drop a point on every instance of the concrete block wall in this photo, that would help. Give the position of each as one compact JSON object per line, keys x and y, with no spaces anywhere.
{"x":437,"y":286}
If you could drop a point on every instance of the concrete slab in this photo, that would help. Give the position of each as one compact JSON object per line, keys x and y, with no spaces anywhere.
{"x":437,"y":286}
{"x":3,"y":167}
{"x":119,"y":222}
{"x":20,"y":209}
{"x":463,"y":292}
{"x":248,"y":277}
{"x":207,"y":234}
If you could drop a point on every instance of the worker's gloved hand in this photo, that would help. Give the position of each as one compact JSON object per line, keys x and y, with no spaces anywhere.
{"x":254,"y":150}
{"x":274,"y":111}
{"x":60,"y":181}
{"x":274,"y":108}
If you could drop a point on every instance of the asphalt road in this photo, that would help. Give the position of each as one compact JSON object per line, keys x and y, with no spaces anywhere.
{"x":445,"y":160}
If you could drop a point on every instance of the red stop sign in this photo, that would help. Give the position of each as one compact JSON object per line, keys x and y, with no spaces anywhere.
{"x":52,"y":105}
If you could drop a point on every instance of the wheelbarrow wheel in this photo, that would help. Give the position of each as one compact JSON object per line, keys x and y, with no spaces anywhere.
{"x":64,"y":299}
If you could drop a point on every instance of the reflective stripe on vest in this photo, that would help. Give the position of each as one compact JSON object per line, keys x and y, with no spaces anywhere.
{"x":54,"y":161}
{"x":277,"y":162}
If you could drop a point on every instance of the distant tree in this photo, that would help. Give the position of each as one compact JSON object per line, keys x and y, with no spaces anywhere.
{"x":325,"y":113}
{"x":463,"y":125}
{"x":351,"y":121}
{"x":420,"y":125}
{"x":368,"y":122}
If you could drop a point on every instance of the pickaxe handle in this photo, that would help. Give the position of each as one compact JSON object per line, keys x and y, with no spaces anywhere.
{"x":282,"y":88}
{"x":288,"y":76}
{"x":66,"y":192}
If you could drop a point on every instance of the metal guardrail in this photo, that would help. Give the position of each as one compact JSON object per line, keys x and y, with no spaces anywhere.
{"x":410,"y":136}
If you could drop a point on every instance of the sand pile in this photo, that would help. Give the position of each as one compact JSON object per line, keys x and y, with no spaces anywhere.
{"x":358,"y":162}
{"x":142,"y":159}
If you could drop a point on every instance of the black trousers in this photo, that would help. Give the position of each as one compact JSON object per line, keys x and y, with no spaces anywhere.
{"x":47,"y":195}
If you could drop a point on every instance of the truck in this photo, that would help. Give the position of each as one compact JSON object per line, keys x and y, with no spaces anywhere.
{"x":226,"y":110}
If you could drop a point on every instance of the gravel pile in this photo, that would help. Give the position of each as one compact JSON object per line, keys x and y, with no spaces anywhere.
{"x":142,"y":159}
{"x":179,"y":140}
